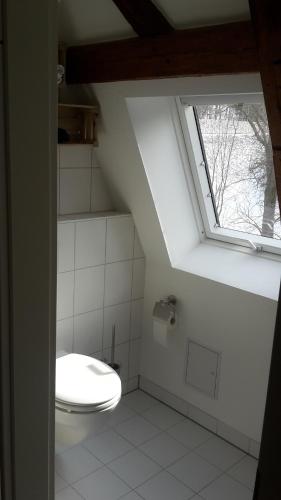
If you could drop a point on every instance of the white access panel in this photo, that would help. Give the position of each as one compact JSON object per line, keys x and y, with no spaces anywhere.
{"x":203,"y":368}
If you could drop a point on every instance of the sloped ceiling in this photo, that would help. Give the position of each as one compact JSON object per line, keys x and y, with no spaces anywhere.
{"x":99,"y":20}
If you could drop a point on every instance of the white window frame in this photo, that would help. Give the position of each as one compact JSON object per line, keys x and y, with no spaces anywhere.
{"x":196,"y":159}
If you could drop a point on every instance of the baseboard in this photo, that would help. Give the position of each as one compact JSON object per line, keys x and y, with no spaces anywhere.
{"x":214,"y":425}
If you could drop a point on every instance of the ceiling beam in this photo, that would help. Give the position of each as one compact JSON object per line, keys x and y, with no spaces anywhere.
{"x":266,"y":18}
{"x":144,"y":17}
{"x":224,"y":49}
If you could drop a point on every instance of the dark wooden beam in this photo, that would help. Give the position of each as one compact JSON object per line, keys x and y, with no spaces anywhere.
{"x":266,"y":16}
{"x":144,"y":17}
{"x":224,"y":49}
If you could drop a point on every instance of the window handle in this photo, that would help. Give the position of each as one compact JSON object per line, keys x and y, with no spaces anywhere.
{"x":256,"y":248}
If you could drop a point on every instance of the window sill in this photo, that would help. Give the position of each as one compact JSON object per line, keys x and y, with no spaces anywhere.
{"x":238,"y":268}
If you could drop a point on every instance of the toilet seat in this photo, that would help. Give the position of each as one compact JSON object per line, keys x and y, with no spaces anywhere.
{"x":85,"y":385}
{"x":67,"y":407}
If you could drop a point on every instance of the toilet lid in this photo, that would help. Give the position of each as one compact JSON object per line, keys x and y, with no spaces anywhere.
{"x":82,"y":380}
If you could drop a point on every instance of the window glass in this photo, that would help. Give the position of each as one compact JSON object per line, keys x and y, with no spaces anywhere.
{"x":236,"y":144}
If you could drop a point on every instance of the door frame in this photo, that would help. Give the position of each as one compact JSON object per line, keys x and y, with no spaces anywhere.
{"x":29,"y":231}
{"x":268,"y":484}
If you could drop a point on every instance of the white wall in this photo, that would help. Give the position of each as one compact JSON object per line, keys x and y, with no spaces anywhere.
{"x":155,"y":130}
{"x":238,"y":323}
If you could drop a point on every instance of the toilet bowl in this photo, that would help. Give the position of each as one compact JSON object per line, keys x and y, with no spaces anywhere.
{"x":87,"y":391}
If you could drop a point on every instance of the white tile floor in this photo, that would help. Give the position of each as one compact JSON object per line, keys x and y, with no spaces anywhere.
{"x":151,"y":452}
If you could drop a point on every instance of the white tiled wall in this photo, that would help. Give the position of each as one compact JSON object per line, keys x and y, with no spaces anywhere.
{"x":81,"y":185}
{"x":100,"y":283}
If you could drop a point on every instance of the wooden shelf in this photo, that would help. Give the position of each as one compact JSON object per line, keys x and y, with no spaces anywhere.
{"x":79,"y":123}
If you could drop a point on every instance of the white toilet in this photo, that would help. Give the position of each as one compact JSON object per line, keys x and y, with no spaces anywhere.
{"x":87,"y":391}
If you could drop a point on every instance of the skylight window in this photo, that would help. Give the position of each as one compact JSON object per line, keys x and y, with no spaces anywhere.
{"x":230,"y":152}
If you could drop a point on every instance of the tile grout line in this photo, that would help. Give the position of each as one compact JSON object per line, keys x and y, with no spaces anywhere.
{"x":214,"y":433}
{"x":104,"y":286}
{"x":91,"y":181}
{"x":74,"y":285}
{"x":106,"y":307}
{"x":191,"y":451}
{"x":58,"y":179}
{"x":104,"y":264}
{"x":161,"y":468}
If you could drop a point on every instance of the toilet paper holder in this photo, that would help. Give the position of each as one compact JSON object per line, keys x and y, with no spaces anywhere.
{"x":165,"y":310}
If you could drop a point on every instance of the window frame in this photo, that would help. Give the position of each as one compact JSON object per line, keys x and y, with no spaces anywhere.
{"x":202,"y":187}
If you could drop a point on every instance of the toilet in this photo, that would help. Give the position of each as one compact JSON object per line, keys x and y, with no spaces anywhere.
{"x":87,"y":392}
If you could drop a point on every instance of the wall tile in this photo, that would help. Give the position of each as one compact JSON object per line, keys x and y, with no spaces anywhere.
{"x":119,"y":239}
{"x":88,"y":332}
{"x":121,"y":357}
{"x":136,"y":318}
{"x":75,"y":187}
{"x":138,"y":279}
{"x":233,"y":436}
{"x":118,"y":282}
{"x":90,"y":243}
{"x":75,"y":156}
{"x":95,"y":163}
{"x":65,"y":247}
{"x":120,"y":316}
{"x":134,"y":358}
{"x":138,"y":250}
{"x":202,"y":418}
{"x":65,"y":335}
{"x":170,"y":399}
{"x":65,"y":286}
{"x":97,"y":355}
{"x":89,"y":289}
{"x":86,"y":308}
{"x":132,"y":384}
{"x":100,"y":196}
{"x":229,"y":433}
{"x":58,"y":192}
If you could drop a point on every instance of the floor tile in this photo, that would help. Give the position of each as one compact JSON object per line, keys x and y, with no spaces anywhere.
{"x":245,"y":471}
{"x":139,"y":401}
{"x":60,"y":483}
{"x":120,"y":414}
{"x":194,"y":471}
{"x":137,"y":430}
{"x":101,"y":485}
{"x":132,"y":496}
{"x":76,"y":463}
{"x":134,"y":468}
{"x":68,"y":494}
{"x":220,"y":453}
{"x":164,"y":487}
{"x":189,"y":434}
{"x":164,"y":439}
{"x":108,"y":446}
{"x":162,"y":416}
{"x":164,"y":449}
{"x":226,"y":488}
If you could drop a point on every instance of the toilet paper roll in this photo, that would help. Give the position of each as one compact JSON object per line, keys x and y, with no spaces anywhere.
{"x":164,"y":319}
{"x":160,"y":332}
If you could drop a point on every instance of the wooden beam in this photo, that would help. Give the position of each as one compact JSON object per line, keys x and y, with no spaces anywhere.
{"x":144,"y":17}
{"x":266,"y":17}
{"x":224,"y":49}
